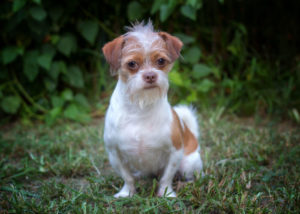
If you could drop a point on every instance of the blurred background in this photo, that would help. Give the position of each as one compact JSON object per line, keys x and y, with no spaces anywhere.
{"x":239,"y":56}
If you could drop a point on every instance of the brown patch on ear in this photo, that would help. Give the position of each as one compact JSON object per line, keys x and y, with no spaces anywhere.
{"x":112,"y":52}
{"x":189,"y":140}
{"x":177,"y":132}
{"x":174,"y":44}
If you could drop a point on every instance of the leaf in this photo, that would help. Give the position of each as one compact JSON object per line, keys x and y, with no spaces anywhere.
{"x":45,"y":61}
{"x":200,"y":70}
{"x":73,"y":112}
{"x":188,"y":11}
{"x":11,"y":104}
{"x":75,"y":77}
{"x":67,"y":44}
{"x":30,"y":65}
{"x":167,"y":9}
{"x":81,"y":100}
{"x":57,"y":101}
{"x":38,"y":13}
{"x":50,"y":84}
{"x":185,"y":38}
{"x":205,"y":85}
{"x":67,"y":94}
{"x":18,"y":4}
{"x":89,"y":30}
{"x":9,"y":54}
{"x":134,"y":11}
{"x":192,"y":55}
{"x":57,"y":67}
{"x":176,"y":78}
{"x":52,"y":115}
{"x":156,"y":5}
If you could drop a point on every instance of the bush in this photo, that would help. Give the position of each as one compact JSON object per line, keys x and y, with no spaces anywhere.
{"x":52,"y":66}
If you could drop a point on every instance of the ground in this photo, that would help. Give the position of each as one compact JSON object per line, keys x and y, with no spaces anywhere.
{"x":251,"y":166}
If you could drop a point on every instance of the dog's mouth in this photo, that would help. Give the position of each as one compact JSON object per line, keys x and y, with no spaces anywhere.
{"x":150,"y":86}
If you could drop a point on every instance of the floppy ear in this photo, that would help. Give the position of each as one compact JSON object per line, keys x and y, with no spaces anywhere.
{"x":112,"y":52}
{"x":174,"y":44}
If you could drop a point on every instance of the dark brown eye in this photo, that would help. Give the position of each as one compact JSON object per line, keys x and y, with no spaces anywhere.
{"x":161,"y":61}
{"x":132,"y":64}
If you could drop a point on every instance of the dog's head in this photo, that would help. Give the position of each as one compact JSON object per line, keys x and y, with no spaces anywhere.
{"x":142,"y":58}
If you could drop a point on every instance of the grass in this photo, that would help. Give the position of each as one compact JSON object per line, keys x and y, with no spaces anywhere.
{"x":251,"y":166}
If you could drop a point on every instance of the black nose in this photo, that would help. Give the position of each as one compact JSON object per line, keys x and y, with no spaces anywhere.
{"x":150,"y":77}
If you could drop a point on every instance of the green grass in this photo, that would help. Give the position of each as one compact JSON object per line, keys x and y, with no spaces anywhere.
{"x":251,"y":166}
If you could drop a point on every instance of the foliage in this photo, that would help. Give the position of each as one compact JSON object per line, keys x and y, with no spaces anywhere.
{"x":52,"y":67}
{"x":249,"y":168}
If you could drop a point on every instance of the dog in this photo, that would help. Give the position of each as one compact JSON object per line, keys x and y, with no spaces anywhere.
{"x":143,"y":134}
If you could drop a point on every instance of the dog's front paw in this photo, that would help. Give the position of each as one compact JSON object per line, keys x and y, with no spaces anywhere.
{"x":123,"y":194}
{"x":163,"y":192}
{"x":126,"y":191}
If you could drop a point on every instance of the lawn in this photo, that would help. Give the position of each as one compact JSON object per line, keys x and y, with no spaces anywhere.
{"x":251,"y":166}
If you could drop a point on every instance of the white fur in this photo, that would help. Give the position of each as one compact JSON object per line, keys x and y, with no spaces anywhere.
{"x":138,"y":126}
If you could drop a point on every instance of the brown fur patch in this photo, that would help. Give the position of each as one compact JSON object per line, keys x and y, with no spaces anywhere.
{"x":113,"y":53}
{"x":180,"y":136}
{"x":173,"y":44}
{"x":177,"y":132}
{"x":189,"y":140}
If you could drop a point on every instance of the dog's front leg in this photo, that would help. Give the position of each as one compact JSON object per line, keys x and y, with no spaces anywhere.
{"x":165,"y":183}
{"x":128,"y":188}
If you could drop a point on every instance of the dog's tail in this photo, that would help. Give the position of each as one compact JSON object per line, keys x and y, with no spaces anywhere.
{"x":189,"y":116}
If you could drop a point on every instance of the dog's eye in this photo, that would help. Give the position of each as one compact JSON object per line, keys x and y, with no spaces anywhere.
{"x":132,"y":64}
{"x":161,"y":61}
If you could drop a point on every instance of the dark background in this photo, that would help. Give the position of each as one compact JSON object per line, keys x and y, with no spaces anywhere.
{"x":242,"y":56}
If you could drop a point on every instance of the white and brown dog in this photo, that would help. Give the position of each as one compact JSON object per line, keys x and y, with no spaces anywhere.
{"x":143,"y":134}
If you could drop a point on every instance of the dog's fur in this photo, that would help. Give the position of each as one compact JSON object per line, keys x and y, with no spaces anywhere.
{"x":143,"y":134}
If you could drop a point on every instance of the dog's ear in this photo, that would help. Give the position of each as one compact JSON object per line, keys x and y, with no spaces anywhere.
{"x":174,"y":44}
{"x":112,"y":52}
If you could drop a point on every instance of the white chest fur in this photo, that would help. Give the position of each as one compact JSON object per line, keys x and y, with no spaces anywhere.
{"x":139,"y":137}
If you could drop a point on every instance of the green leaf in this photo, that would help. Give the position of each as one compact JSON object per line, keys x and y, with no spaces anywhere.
{"x":67,"y":44}
{"x":185,"y":38}
{"x":18,"y":4}
{"x":37,"y":1}
{"x":75,"y":77}
{"x":156,"y":6}
{"x":205,"y":85}
{"x":200,"y":70}
{"x":50,"y":84}
{"x":45,"y":61}
{"x":67,"y":94}
{"x":188,"y":11}
{"x":167,"y":9}
{"x":11,"y":104}
{"x":57,"y":67}
{"x":89,"y":30}
{"x":134,"y":11}
{"x":176,"y":78}
{"x":192,"y":55}
{"x":81,"y":100}
{"x":52,"y":115}
{"x":57,"y":101}
{"x":9,"y":54}
{"x":73,"y":112}
{"x":38,"y":13}
{"x":30,"y":65}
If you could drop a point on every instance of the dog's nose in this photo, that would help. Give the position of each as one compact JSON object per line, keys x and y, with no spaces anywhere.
{"x":150,"y":77}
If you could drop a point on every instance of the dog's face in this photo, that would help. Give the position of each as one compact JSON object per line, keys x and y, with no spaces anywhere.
{"x":142,"y":58}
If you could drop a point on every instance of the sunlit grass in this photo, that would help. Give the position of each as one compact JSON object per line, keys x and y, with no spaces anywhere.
{"x":250,"y":167}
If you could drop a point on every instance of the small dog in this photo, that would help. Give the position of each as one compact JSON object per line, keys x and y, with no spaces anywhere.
{"x":143,"y":134}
